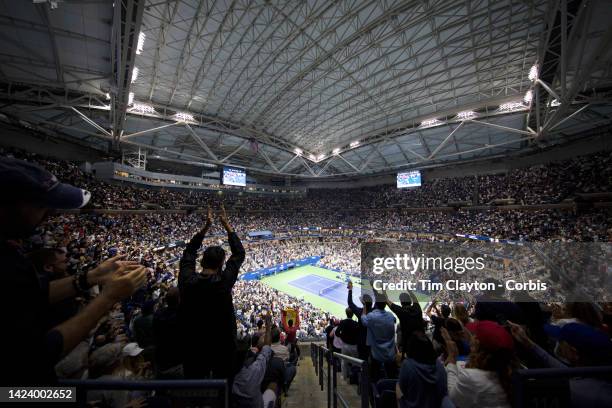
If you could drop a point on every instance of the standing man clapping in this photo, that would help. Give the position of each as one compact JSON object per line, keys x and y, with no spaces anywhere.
{"x":206,"y":312}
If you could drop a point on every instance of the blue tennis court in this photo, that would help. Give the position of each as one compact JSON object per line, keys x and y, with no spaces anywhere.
{"x":333,"y":290}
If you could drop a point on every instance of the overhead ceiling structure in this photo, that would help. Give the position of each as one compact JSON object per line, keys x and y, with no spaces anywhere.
{"x":313,"y":88}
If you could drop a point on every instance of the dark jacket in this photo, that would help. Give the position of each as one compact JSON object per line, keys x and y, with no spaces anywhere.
{"x":497,"y":310}
{"x":348,"y":331}
{"x":422,"y":385}
{"x":167,"y":343}
{"x":363,"y":349}
{"x":411,"y":320}
{"x":206,"y":311}
{"x":29,"y":349}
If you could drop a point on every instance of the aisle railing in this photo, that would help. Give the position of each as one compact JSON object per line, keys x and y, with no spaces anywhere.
{"x":327,"y":364}
{"x":550,"y":387}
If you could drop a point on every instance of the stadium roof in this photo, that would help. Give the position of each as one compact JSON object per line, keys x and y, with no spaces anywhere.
{"x":308,"y":88}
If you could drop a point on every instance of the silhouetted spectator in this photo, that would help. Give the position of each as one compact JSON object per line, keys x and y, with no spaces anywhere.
{"x":28,"y":194}
{"x":206,"y":311}
{"x":167,"y":340}
{"x":410,"y":316}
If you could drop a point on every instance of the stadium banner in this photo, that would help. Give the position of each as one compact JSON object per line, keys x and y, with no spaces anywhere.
{"x":489,"y":271}
{"x":272,"y":270}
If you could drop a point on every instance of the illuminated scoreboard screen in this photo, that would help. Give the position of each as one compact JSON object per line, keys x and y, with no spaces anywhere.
{"x":233,"y":176}
{"x":409,"y":179}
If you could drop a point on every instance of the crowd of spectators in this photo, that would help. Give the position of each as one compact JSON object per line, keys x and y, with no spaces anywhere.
{"x":551,"y":182}
{"x":253,"y":299}
{"x":111,"y":291}
{"x":462,"y":354}
{"x":340,"y":254}
{"x":539,"y":184}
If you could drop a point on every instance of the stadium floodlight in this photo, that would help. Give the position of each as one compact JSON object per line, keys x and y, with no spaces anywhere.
{"x":466,"y":115}
{"x":554,"y":103}
{"x":140,"y":46}
{"x":107,"y":96}
{"x":528,"y":96}
{"x":130,"y":98}
{"x":184,"y":117}
{"x":355,"y":143}
{"x":135,"y":72}
{"x":143,"y":108}
{"x":533,"y":73}
{"x":430,"y":122}
{"x":510,"y":106}
{"x":298,"y":151}
{"x":336,"y":151}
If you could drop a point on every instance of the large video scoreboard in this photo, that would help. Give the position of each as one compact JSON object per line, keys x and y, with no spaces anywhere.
{"x":409,"y":179}
{"x":234,"y":176}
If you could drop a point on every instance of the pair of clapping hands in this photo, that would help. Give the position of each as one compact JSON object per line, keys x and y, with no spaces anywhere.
{"x":516,"y":330}
{"x":222,"y":218}
{"x":118,"y":277}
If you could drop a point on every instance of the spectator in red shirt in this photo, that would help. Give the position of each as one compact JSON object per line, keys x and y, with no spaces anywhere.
{"x":290,"y":328}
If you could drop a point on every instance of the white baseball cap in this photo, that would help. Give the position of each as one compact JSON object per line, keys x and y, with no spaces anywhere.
{"x":132,"y":350}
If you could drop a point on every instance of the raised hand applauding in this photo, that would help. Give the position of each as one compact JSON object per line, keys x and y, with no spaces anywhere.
{"x":222,"y":216}
{"x":209,"y":216}
{"x":224,"y":220}
{"x":102,"y":272}
{"x":124,"y":282}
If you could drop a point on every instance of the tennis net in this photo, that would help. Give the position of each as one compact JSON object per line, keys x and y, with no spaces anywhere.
{"x":329,"y":288}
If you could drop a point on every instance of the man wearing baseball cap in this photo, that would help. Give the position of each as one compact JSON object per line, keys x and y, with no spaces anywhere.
{"x":31,"y":346}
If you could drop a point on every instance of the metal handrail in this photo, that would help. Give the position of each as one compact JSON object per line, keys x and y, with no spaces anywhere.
{"x":350,"y":359}
{"x":330,"y":369}
{"x":523,"y":377}
{"x":564,"y":372}
{"x":364,"y":380}
{"x":321,"y":356}
{"x":321,"y":353}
